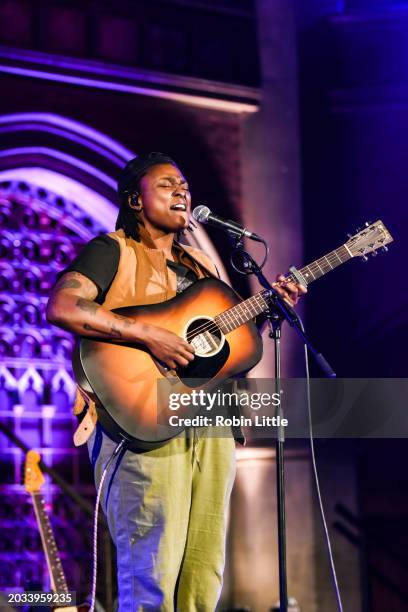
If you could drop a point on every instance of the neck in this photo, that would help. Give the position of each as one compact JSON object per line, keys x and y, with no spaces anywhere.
{"x":164,"y":242}
{"x":157,"y":238}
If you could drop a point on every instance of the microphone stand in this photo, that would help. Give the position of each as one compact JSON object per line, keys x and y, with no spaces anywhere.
{"x":278,"y":312}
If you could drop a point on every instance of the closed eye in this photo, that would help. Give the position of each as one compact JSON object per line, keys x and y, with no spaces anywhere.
{"x":173,"y":183}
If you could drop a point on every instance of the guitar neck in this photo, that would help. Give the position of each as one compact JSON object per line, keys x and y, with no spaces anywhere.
{"x":246,"y":310}
{"x":57,"y":576}
{"x":322,"y":266}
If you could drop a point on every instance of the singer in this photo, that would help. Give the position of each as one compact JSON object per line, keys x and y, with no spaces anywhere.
{"x":166,"y":507}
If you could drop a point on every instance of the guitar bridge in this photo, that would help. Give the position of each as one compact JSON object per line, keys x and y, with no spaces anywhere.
{"x":204,"y":343}
{"x":205,"y":336}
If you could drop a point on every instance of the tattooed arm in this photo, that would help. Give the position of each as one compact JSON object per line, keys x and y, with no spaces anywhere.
{"x":72,"y":307}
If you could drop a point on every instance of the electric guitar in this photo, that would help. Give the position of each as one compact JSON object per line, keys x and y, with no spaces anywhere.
{"x":122,"y":378}
{"x":33,"y":481}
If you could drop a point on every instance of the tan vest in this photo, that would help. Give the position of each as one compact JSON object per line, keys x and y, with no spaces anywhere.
{"x":143,"y":277}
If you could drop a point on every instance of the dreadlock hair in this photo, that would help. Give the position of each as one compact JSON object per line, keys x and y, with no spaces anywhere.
{"x":129,"y":219}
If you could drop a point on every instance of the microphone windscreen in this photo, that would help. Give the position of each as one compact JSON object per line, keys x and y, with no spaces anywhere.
{"x":201,"y":213}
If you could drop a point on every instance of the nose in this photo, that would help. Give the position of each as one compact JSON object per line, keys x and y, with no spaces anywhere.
{"x":180,"y":190}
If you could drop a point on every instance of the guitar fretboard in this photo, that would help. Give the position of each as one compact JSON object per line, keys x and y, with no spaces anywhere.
{"x":325,"y":264}
{"x":239,"y":314}
{"x":58,"y":582}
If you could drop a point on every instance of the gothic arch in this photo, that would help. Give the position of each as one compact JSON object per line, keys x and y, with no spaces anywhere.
{"x":75,"y":161}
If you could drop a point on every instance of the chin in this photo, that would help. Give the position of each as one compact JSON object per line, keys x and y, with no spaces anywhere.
{"x":174,"y":229}
{"x":181,"y":226}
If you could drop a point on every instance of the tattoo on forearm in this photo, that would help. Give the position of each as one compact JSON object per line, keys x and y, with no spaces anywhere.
{"x":87,"y":305}
{"x":125,"y":320}
{"x":113,"y":333}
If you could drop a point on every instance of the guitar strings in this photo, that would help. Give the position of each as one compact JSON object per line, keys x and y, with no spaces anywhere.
{"x":210,"y":325}
{"x":332,"y":259}
{"x":213,"y":325}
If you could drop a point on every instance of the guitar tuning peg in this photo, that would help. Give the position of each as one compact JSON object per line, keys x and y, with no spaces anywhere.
{"x":364,"y":258}
{"x":367,"y":223}
{"x":349,"y":235}
{"x":374,"y":254}
{"x":358,"y":229}
{"x":384,"y":249}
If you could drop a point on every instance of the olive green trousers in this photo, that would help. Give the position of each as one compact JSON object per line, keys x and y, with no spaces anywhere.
{"x":167,"y":512}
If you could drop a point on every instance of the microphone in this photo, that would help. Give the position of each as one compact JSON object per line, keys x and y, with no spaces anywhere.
{"x":203,"y":214}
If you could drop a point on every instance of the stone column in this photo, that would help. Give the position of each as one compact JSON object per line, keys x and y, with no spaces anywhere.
{"x":270,"y":161}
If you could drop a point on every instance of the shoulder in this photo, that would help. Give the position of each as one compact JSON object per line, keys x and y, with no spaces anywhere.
{"x":124,"y":243}
{"x":118,"y":237}
{"x":103,"y":240}
{"x":98,"y":260}
{"x":100,"y":248}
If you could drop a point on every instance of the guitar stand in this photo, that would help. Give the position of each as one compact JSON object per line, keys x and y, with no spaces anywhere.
{"x":278,"y":312}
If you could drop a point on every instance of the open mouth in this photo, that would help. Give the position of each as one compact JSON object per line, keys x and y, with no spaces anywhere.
{"x":181,"y":207}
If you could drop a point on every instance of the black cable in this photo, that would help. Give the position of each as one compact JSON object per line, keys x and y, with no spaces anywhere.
{"x":316,"y":478}
{"x":120,"y":446}
{"x":238,"y":250}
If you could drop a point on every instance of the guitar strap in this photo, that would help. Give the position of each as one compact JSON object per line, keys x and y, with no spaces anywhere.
{"x":88,"y":422}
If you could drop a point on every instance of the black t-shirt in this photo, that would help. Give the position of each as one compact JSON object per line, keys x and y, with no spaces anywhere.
{"x":99,"y":260}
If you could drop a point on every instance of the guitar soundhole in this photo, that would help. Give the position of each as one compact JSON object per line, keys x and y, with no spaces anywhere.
{"x":205,"y":336}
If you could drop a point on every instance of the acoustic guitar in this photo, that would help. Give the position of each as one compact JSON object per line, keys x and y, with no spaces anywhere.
{"x":33,"y":481}
{"x":122,"y":378}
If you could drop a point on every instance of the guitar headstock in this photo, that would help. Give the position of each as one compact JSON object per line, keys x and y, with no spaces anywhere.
{"x":369,"y":240}
{"x":33,"y":476}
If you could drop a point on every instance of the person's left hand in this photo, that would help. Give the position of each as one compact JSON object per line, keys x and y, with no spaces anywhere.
{"x":291,"y":292}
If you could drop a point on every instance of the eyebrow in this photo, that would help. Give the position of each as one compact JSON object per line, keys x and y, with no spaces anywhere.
{"x":173,"y":179}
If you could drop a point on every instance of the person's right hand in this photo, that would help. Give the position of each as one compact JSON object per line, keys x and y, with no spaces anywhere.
{"x":168,"y":347}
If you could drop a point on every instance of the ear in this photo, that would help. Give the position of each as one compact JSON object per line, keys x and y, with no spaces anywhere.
{"x":135,"y":201}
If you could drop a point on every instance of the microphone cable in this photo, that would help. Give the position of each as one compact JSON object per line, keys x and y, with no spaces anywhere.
{"x":316,"y":479}
{"x":120,"y":446}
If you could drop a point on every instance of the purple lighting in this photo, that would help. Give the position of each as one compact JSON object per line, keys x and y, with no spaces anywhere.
{"x":192,"y":100}
{"x":69,"y":159}
{"x":90,"y":201}
{"x":71,"y":129}
{"x":87,"y":198}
